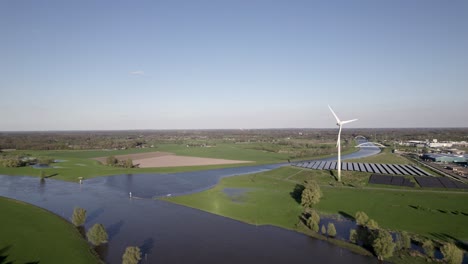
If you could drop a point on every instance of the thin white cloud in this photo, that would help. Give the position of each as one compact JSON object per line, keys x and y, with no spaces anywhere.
{"x":138,"y":73}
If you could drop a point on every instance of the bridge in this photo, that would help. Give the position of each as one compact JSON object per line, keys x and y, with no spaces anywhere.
{"x":368,"y":145}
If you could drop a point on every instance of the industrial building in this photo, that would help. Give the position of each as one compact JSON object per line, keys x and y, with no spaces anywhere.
{"x":443,"y":158}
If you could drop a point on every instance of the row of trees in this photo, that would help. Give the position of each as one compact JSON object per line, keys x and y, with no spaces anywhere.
{"x":15,"y":161}
{"x":368,"y":234}
{"x":97,"y":235}
{"x":381,"y":242}
{"x":310,"y":196}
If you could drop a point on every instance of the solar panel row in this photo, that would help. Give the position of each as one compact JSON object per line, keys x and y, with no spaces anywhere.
{"x":440,"y":182}
{"x":393,"y":169}
{"x":390,"y":180}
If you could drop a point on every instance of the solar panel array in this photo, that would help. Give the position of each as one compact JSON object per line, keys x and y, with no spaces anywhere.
{"x":440,"y":182}
{"x":393,"y":169}
{"x":390,"y":180}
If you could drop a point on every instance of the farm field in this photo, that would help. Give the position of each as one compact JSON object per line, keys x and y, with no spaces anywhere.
{"x":33,"y":235}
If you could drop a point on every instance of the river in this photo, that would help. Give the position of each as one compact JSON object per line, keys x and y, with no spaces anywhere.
{"x":170,"y":233}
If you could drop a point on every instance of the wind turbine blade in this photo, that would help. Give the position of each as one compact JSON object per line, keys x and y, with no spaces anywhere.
{"x":336,"y":117}
{"x":348,"y":121}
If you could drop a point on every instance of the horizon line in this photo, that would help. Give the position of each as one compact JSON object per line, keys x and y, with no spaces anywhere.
{"x":211,"y":129}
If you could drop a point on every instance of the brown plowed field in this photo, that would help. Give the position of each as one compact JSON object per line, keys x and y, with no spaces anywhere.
{"x":135,"y":156}
{"x":166,"y":159}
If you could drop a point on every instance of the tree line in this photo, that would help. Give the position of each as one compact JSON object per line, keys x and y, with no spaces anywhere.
{"x":368,"y":234}
{"x":97,"y":236}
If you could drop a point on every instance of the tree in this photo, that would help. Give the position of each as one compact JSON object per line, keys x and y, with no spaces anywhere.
{"x":331,"y":230}
{"x":403,"y":240}
{"x":45,"y":161}
{"x":372,"y":224}
{"x":313,"y":226}
{"x":315,"y":216}
{"x":361,"y":218}
{"x":452,"y":254}
{"x":13,"y":163}
{"x":97,"y":235}
{"x":79,"y":216}
{"x":132,"y":255}
{"x":428,"y":247}
{"x":311,"y":194}
{"x":324,"y":230}
{"x":112,"y":161}
{"x":383,"y":245}
{"x":128,"y":163}
{"x":313,"y":220}
{"x":353,"y":237}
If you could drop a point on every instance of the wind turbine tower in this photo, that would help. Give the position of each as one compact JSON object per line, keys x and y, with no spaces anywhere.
{"x":338,"y":143}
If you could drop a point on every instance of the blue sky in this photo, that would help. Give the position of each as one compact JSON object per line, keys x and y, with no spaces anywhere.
{"x":79,"y":65}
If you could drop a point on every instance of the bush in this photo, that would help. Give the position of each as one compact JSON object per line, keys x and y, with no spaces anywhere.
{"x":383,"y":245}
{"x":353,"y":237}
{"x":97,"y":235}
{"x":132,"y":255}
{"x":112,"y":161}
{"x":128,"y":163}
{"x":372,"y":224}
{"x":12,"y":163}
{"x":311,"y":194}
{"x":79,"y":216}
{"x":331,"y":230}
{"x":428,"y":247}
{"x":402,"y":241}
{"x":452,"y":254}
{"x":45,"y":161}
{"x":361,"y":218}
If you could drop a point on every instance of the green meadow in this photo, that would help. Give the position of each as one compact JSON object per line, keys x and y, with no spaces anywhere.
{"x":268,"y":199}
{"x":30,"y":234}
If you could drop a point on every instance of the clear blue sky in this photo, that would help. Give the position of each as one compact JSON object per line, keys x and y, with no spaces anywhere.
{"x":68,"y":65}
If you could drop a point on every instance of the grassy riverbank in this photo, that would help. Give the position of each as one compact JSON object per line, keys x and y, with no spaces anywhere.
{"x":266,"y":198}
{"x":33,"y":235}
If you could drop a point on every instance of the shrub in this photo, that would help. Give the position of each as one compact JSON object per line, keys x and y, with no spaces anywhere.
{"x":79,"y":216}
{"x":311,"y":194}
{"x":331,"y":230}
{"x":383,"y":245}
{"x":132,"y":255}
{"x":452,"y":254}
{"x":97,"y":235}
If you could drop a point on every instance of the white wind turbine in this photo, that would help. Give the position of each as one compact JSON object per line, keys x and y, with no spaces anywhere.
{"x":338,"y":143}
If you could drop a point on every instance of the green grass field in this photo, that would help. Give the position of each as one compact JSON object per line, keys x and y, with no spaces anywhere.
{"x":30,"y":234}
{"x":267,"y":200}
